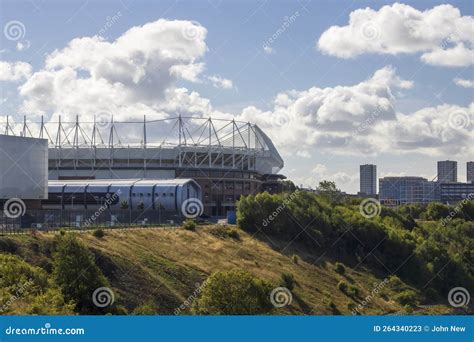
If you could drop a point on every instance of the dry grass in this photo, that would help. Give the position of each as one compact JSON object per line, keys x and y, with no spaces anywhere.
{"x":165,"y":265}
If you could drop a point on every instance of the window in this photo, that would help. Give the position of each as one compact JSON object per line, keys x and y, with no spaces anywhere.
{"x":171,"y":194}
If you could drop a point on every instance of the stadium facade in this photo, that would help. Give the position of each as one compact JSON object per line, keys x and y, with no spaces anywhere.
{"x":227,"y":158}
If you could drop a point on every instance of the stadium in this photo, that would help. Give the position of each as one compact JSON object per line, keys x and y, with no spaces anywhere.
{"x":226,"y":158}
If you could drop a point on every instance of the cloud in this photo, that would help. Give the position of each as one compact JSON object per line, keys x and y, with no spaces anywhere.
{"x":442,"y":34}
{"x":14,"y":71}
{"x":327,"y":117}
{"x":458,"y":56}
{"x":135,"y":75}
{"x":361,"y":119}
{"x":320,"y":172}
{"x":219,"y":82}
{"x":437,"y":131}
{"x":23,"y":45}
{"x":464,"y":83}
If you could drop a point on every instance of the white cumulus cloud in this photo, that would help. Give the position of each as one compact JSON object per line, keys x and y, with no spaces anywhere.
{"x":362,"y":119}
{"x":441,"y":33}
{"x":220,"y":82}
{"x":134,"y":75}
{"x":464,"y":83}
{"x":14,"y":71}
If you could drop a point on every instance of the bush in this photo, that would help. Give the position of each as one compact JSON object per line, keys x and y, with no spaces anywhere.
{"x":76,"y":273}
{"x":99,"y":233}
{"x":342,"y":286}
{"x":407,"y":297}
{"x":27,"y":290}
{"x":295,"y":259}
{"x":351,"y":306}
{"x":288,"y":281}
{"x":234,"y":292}
{"x":225,"y":233}
{"x":353,"y":291}
{"x":340,"y":268}
{"x":189,"y":224}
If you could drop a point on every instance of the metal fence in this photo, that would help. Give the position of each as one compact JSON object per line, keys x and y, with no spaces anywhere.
{"x":47,"y":220}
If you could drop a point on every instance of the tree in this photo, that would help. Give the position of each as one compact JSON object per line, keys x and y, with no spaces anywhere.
{"x":234,"y":292}
{"x":124,"y":204}
{"x":26,"y":290}
{"x":77,"y":274}
{"x":328,"y":189}
{"x":437,"y":211}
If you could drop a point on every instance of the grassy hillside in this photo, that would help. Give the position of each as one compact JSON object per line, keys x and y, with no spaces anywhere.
{"x":161,"y":268}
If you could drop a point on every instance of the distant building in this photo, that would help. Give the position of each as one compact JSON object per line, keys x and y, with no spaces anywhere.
{"x":447,"y":171}
{"x":455,"y":192}
{"x":470,"y":171}
{"x":368,"y":179}
{"x":406,"y":190}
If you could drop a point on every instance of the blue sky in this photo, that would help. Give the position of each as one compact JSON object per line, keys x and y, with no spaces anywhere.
{"x":236,"y":31}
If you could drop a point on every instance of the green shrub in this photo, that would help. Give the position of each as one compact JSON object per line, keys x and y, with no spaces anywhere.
{"x":407,"y":297}
{"x":295,"y":258}
{"x":99,"y":233}
{"x":342,"y":286}
{"x":76,"y":273}
{"x":225,"y":233}
{"x":288,"y":281}
{"x":27,"y":290}
{"x":395,"y":283}
{"x":235,"y":292}
{"x":189,"y":224}
{"x":353,"y":291}
{"x":124,"y":204}
{"x":234,"y":234}
{"x":340,"y":268}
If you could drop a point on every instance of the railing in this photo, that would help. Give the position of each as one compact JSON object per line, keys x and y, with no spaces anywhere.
{"x":53,"y":220}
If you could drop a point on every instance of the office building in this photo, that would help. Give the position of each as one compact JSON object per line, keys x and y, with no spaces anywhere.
{"x":406,"y":190}
{"x":470,"y":171}
{"x":368,"y":179}
{"x":454,"y":192}
{"x":447,"y":171}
